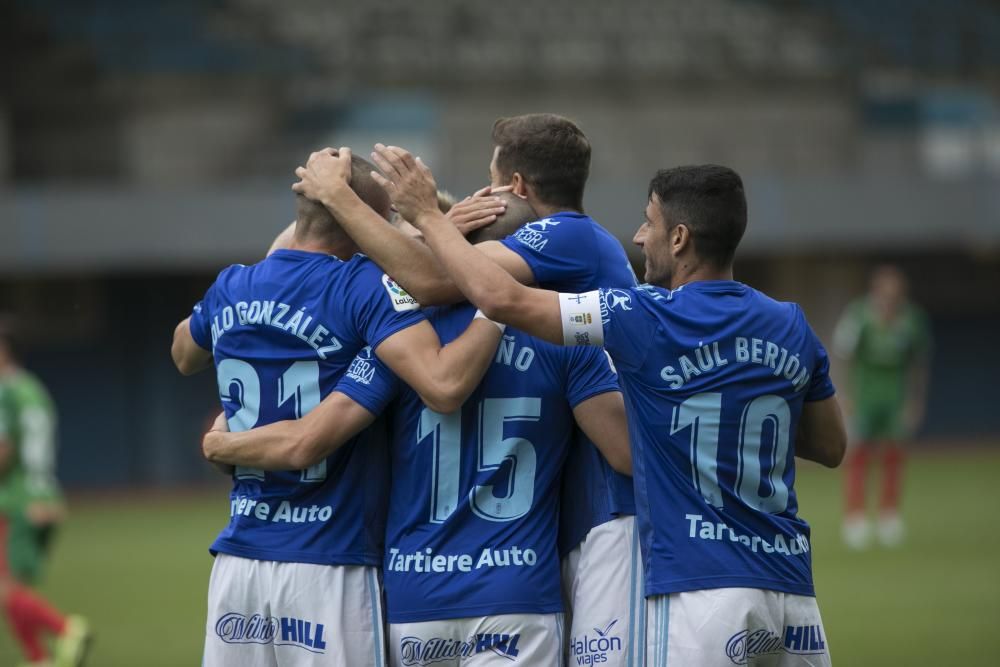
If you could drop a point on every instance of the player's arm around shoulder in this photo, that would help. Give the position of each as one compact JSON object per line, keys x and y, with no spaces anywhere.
{"x":821,"y":435}
{"x":444,"y":377}
{"x":188,"y":356}
{"x":292,"y":444}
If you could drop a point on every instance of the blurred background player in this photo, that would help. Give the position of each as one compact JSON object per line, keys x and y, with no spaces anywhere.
{"x":31,"y":507}
{"x":885,"y":341}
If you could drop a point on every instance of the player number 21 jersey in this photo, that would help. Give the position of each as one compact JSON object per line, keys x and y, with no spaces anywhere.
{"x":283,"y":332}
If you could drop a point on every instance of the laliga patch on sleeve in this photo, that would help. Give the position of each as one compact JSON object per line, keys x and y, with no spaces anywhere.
{"x":401,"y":300}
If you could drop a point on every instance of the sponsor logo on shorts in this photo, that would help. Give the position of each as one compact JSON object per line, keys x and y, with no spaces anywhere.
{"x":597,"y":648}
{"x":401,"y":299}
{"x":415,"y":651}
{"x":361,"y":369}
{"x":235,"y":628}
{"x":745,"y":645}
{"x":533,"y":233}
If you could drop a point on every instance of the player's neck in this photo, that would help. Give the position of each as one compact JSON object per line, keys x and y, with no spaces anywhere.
{"x":343,"y":250}
{"x":699,"y":273}
{"x":547,"y":210}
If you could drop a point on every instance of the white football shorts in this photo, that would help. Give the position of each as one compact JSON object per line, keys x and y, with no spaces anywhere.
{"x":481,"y":641}
{"x":603,"y":594}
{"x":723,"y":627}
{"x":270,"y":614}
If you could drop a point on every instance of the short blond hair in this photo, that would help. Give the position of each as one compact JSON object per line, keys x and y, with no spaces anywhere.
{"x":445,"y":200}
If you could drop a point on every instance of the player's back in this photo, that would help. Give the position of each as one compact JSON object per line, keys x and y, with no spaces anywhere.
{"x":715,"y":374}
{"x":474,"y":508}
{"x":283,"y":332}
{"x":571,"y":252}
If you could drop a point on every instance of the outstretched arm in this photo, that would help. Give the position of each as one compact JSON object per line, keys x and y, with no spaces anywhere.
{"x":443,"y":376}
{"x":602,"y":418}
{"x":487,"y":285}
{"x":407,"y":260}
{"x":188,"y":356}
{"x":293,"y":444}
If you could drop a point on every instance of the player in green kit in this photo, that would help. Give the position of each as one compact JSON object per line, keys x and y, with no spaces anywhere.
{"x":885,"y":340}
{"x":31,"y":506}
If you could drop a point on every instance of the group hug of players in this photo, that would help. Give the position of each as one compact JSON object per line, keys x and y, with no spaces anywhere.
{"x":483,"y":442}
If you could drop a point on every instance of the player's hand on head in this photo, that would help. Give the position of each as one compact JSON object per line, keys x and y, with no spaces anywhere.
{"x":477,"y":211}
{"x":408,"y":181}
{"x":325,"y":173}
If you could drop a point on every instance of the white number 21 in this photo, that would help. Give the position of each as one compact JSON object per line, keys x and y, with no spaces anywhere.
{"x":299,"y":383}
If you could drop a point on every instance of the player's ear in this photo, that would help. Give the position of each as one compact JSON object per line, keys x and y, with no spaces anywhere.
{"x":680,"y":239}
{"x":519,"y":186}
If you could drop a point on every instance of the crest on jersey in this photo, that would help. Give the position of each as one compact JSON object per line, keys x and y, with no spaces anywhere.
{"x":612,"y":299}
{"x":401,"y":300}
{"x":533,"y":234}
{"x":542,"y":225}
{"x":618,"y":298}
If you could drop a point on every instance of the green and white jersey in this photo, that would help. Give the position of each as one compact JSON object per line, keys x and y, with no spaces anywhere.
{"x":28,"y":424}
{"x":881,"y":354}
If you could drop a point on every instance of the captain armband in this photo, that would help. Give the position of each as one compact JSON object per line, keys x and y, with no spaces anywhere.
{"x":581,"y":318}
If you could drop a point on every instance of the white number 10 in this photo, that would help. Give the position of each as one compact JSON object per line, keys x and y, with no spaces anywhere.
{"x":702,"y":413}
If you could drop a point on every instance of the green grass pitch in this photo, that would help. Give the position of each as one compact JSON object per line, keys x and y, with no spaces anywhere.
{"x":138,"y":568}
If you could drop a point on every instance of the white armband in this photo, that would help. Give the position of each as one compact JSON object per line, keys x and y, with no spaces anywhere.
{"x":480,"y":316}
{"x":581,"y":318}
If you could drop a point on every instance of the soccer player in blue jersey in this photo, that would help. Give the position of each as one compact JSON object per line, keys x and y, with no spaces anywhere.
{"x":724,"y":387}
{"x":545,"y":159}
{"x":295,"y":580}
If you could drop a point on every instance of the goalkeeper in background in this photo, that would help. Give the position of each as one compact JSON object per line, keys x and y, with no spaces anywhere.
{"x":31,"y":506}
{"x":885,"y":341}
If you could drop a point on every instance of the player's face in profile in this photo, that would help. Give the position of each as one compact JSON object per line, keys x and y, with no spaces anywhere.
{"x":652,"y":236}
{"x":496,"y":180}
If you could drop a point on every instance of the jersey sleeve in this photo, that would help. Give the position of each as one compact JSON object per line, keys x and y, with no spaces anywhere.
{"x":555,"y":250}
{"x":378,"y":306}
{"x":820,"y":384}
{"x":590,"y":373}
{"x":201,"y":321}
{"x":628,"y":327}
{"x":369,"y":382}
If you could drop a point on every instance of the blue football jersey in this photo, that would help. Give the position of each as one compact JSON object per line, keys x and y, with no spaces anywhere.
{"x":714,"y":376}
{"x":473,"y":512}
{"x":570,"y":252}
{"x":283,"y":332}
